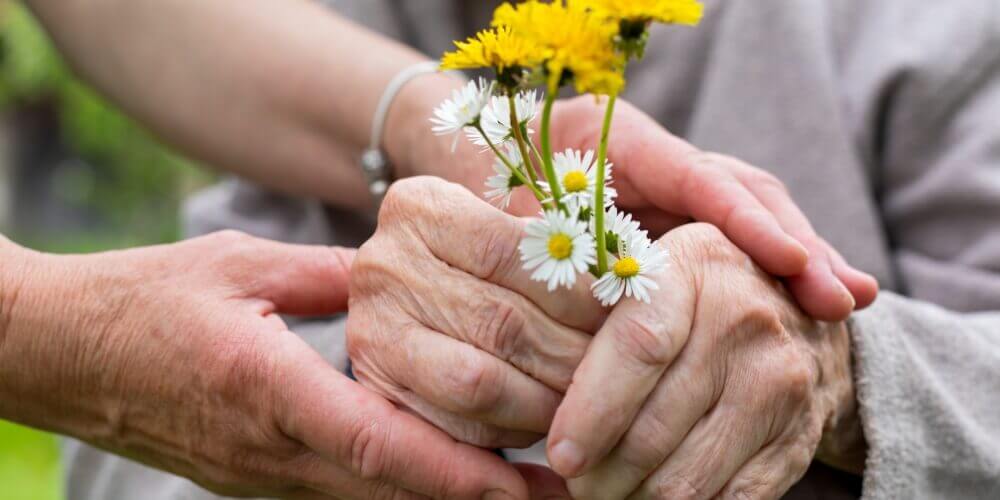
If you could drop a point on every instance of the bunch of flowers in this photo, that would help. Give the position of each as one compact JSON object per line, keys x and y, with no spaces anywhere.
{"x":586,"y":44}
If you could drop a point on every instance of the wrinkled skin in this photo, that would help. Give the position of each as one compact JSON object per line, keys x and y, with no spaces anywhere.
{"x":720,"y":386}
{"x":174,"y":356}
{"x":446,"y":322}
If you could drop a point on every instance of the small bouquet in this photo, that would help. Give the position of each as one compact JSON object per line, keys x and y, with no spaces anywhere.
{"x":586,"y":44}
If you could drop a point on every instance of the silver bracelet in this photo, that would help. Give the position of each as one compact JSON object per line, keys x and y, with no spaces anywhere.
{"x":373,"y":161}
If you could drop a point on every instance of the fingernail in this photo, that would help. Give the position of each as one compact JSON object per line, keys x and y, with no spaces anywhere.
{"x":497,"y":495}
{"x":850,"y":296}
{"x":567,"y":458}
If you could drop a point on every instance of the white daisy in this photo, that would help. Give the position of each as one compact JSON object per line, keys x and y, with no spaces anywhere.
{"x":557,"y":247}
{"x":577,"y":174}
{"x":630,"y":274}
{"x":495,"y":118}
{"x":463,"y":109}
{"x":618,"y":226}
{"x":503,"y":183}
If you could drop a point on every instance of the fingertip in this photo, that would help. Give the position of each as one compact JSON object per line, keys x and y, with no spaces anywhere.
{"x":863,"y":286}
{"x":820,"y":293}
{"x":567,"y":458}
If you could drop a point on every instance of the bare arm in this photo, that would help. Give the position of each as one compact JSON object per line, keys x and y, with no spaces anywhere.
{"x":282,"y":92}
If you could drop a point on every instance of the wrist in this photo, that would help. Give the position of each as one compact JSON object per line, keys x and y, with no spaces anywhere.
{"x":12,"y":269}
{"x":411,"y":146}
{"x":843,"y":444}
{"x":54,"y":352}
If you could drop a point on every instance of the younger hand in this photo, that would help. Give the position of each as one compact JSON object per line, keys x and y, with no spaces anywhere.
{"x":175,"y":356}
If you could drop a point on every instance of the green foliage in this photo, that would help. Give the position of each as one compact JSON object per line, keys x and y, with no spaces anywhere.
{"x":29,"y":464}
{"x":139,"y":182}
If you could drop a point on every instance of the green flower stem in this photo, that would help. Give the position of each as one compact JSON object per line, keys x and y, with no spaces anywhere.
{"x":602,"y":155}
{"x":548,"y":167}
{"x":519,"y":137}
{"x":534,"y":150}
{"x":513,"y":170}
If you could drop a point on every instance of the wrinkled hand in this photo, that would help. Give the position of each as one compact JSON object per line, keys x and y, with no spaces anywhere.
{"x":720,"y":386}
{"x":174,"y":356}
{"x":445,"y":321}
{"x":664,"y":181}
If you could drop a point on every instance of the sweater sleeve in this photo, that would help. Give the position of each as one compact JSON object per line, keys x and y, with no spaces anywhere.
{"x":927,"y":361}
{"x":928,"y":384}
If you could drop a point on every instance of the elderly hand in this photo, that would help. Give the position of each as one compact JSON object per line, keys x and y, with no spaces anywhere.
{"x":720,"y":386}
{"x":664,"y":181}
{"x":445,"y":321}
{"x":175,"y":356}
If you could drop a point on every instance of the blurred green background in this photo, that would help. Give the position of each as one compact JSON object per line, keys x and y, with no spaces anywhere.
{"x":75,"y":176}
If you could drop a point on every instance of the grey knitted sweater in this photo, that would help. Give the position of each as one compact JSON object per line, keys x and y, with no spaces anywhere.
{"x":882,"y":117}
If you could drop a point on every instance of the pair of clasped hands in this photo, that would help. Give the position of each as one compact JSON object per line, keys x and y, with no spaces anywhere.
{"x":723,"y":385}
{"x":728,"y":383}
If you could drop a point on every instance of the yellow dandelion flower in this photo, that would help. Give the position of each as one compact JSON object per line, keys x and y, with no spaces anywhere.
{"x":496,"y":48}
{"x":663,"y":11}
{"x":573,"y":39}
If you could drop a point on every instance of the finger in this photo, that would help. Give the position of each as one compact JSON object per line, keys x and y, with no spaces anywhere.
{"x":464,"y":380}
{"x":463,"y":428}
{"x":487,"y":248}
{"x":543,"y":484}
{"x":863,"y":286}
{"x":368,"y":437}
{"x":679,"y":179}
{"x":707,"y":458}
{"x":323,"y":480}
{"x":622,"y":366}
{"x":770,"y":473}
{"x":683,"y":396}
{"x":819,"y":290}
{"x":298,"y":279}
{"x":499,"y":322}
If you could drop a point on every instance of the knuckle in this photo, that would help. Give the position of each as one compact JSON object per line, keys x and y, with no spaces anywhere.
{"x":384,"y":491}
{"x":480,"y":389}
{"x":644,"y":341}
{"x":415,"y":197}
{"x":760,"y":322}
{"x":481,"y":435}
{"x":367,"y":449}
{"x":643,"y":454}
{"x":228,"y":237}
{"x":766,"y":180}
{"x":800,"y":457}
{"x":705,"y":242}
{"x":500,"y":254}
{"x":498,"y":327}
{"x":750,"y":491}
{"x":402,"y":195}
{"x":795,"y":376}
{"x":678,"y":486}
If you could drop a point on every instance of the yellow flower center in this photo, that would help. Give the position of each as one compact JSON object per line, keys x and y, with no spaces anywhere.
{"x":575,"y":181}
{"x":560,"y":246}
{"x":625,"y":268}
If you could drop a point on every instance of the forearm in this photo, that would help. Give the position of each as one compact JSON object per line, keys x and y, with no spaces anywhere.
{"x":51,"y":331}
{"x":282,"y":92}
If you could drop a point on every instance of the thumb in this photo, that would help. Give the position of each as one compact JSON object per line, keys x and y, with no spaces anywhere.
{"x":369,"y":437}
{"x":304,"y":279}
